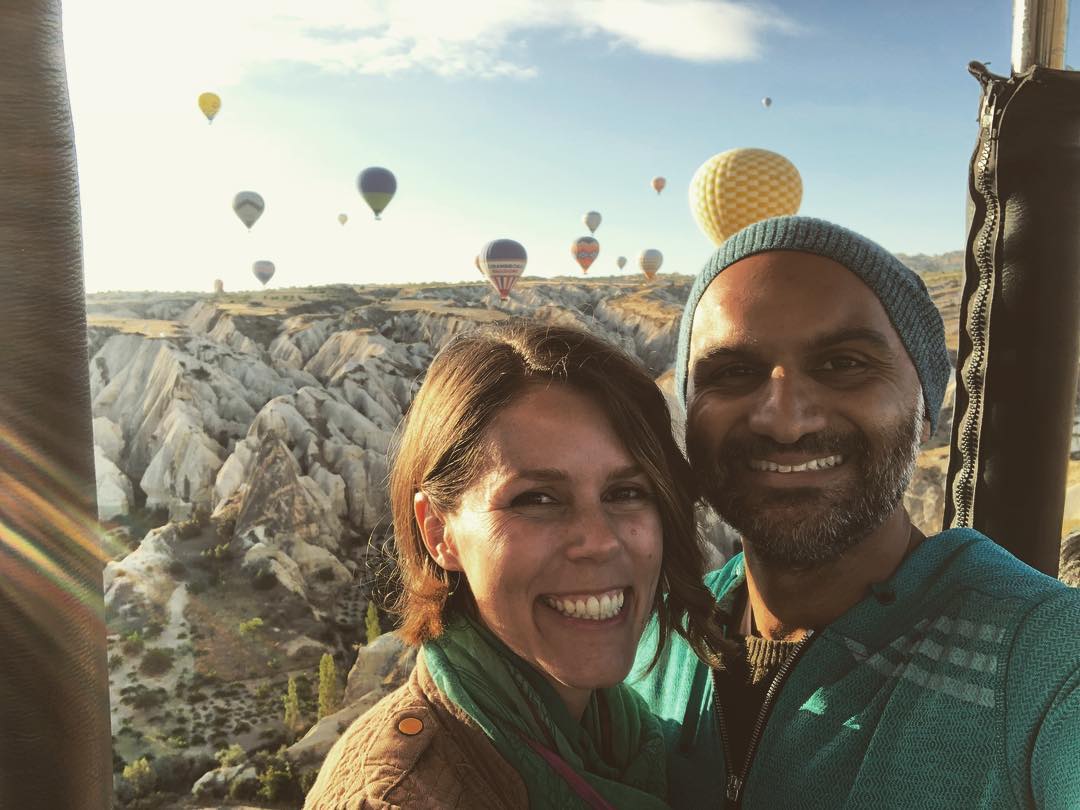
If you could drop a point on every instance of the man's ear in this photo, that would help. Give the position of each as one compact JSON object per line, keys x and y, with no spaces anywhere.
{"x":437,"y":539}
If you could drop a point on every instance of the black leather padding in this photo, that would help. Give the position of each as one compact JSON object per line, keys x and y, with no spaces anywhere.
{"x":1032,"y":129}
{"x":55,"y":744}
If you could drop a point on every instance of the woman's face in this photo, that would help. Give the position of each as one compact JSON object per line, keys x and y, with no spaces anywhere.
{"x":559,"y":538}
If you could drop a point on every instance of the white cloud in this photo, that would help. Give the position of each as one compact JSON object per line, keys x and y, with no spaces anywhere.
{"x":223,"y":41}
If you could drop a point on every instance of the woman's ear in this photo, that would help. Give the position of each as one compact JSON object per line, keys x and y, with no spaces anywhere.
{"x":433,"y":530}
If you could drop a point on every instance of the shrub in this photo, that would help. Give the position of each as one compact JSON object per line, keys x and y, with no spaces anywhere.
{"x":277,"y":782}
{"x":157,"y":661}
{"x":233,"y":755}
{"x":250,"y":626}
{"x":115,"y":661}
{"x":133,"y":643}
{"x":141,"y":777}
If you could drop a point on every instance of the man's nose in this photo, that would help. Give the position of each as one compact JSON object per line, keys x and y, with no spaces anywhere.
{"x":788,"y":407}
{"x":593,"y":534}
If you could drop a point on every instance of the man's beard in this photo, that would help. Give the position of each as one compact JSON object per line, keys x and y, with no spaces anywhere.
{"x":808,"y":526}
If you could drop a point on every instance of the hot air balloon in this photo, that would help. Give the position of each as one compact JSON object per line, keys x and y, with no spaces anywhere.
{"x":249,"y":206}
{"x":219,"y":286}
{"x":377,"y":186}
{"x":503,"y":261}
{"x":650,"y":261}
{"x":592,"y":221}
{"x":585,"y":250}
{"x":210,"y":104}
{"x":621,"y":261}
{"x":766,"y":102}
{"x":736,"y":188}
{"x":658,"y":184}
{"x":263,"y":270}
{"x":342,"y":218}
{"x":476,"y":261}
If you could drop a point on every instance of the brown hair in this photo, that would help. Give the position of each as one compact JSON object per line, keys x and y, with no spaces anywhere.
{"x":440,"y":449}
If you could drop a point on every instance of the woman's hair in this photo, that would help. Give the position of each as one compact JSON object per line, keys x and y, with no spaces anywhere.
{"x":440,"y":450}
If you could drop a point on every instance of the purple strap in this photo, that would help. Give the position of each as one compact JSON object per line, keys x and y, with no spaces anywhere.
{"x":577,"y":783}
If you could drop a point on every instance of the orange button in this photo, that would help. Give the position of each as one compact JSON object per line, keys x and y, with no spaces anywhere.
{"x":410,"y":726}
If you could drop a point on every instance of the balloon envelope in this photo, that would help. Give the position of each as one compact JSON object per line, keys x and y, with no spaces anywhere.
{"x":766,"y":102}
{"x":658,"y":184}
{"x":263,"y":270}
{"x":210,"y":104}
{"x":585,"y":250}
{"x":739,"y":187}
{"x":377,"y":186}
{"x":503,"y":262}
{"x":621,"y":261}
{"x":249,"y":206}
{"x":592,"y":221}
{"x":342,"y":218}
{"x":650,"y":261}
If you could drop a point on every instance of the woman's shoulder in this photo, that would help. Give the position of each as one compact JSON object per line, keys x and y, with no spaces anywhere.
{"x":407,"y":751}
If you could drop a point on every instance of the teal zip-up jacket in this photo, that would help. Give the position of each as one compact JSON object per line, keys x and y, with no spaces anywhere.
{"x":955,"y":684}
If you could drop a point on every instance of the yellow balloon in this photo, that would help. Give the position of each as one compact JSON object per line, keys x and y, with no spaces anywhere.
{"x":210,"y":103}
{"x":742,"y":186}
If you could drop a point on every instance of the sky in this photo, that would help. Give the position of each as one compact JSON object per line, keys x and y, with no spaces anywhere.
{"x":509,"y":118}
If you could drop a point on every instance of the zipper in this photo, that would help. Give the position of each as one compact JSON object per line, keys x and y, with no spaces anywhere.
{"x":734,"y":784}
{"x":978,"y":321}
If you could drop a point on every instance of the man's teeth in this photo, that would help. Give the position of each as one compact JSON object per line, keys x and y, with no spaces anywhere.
{"x":815,"y":464}
{"x":597,"y":607}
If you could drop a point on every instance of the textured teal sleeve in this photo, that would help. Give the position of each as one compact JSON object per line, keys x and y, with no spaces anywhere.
{"x":1043,"y":704}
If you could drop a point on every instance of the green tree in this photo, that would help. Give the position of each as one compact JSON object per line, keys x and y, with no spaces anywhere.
{"x":329,"y":688}
{"x":292,"y":706}
{"x":372,"y":622}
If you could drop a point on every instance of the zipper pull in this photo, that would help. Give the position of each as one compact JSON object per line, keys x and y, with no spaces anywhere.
{"x":734,"y":788}
{"x":988,"y":112}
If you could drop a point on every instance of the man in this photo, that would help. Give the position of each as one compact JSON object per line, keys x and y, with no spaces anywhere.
{"x":873,"y":667}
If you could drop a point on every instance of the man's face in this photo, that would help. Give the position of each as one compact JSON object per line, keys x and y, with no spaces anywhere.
{"x":804,"y":411}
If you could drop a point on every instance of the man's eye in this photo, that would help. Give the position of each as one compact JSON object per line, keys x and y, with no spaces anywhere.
{"x":843,"y":363}
{"x":532,"y":498}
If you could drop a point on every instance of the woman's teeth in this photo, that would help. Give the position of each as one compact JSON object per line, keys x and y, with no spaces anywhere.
{"x":826,"y":463}
{"x":596,"y":607}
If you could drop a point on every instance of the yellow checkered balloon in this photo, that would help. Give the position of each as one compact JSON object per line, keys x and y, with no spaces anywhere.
{"x":742,"y":186}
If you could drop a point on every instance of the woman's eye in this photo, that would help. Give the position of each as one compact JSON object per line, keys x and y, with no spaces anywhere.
{"x":532,"y":499}
{"x":630,"y":493}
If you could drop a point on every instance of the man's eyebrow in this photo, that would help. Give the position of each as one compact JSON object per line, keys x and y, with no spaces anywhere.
{"x":749,"y":351}
{"x":862,"y":334}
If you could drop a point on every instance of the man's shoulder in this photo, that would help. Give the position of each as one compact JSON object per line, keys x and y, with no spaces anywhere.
{"x":971,"y":561}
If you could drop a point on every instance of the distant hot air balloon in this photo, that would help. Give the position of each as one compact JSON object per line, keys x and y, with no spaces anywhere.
{"x":736,"y":188}
{"x":342,"y":218}
{"x":249,"y":206}
{"x":592,"y":221}
{"x":210,"y":104}
{"x":650,"y":261}
{"x":585,"y":250}
{"x":377,"y":186}
{"x":766,"y":102}
{"x":621,"y":261}
{"x":658,"y":183}
{"x":263,"y":270}
{"x":476,"y":261}
{"x":219,"y":286}
{"x":503,"y":261}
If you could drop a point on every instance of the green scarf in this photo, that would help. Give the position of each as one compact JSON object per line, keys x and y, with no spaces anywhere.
{"x":508,"y":698}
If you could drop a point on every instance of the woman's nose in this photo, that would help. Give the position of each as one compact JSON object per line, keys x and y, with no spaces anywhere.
{"x":788,"y":408}
{"x":594,"y":533}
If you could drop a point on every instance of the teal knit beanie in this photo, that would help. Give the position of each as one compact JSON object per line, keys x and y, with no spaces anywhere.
{"x":900,"y":291}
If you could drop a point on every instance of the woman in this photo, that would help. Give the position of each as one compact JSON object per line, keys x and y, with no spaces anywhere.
{"x":541,"y":510}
